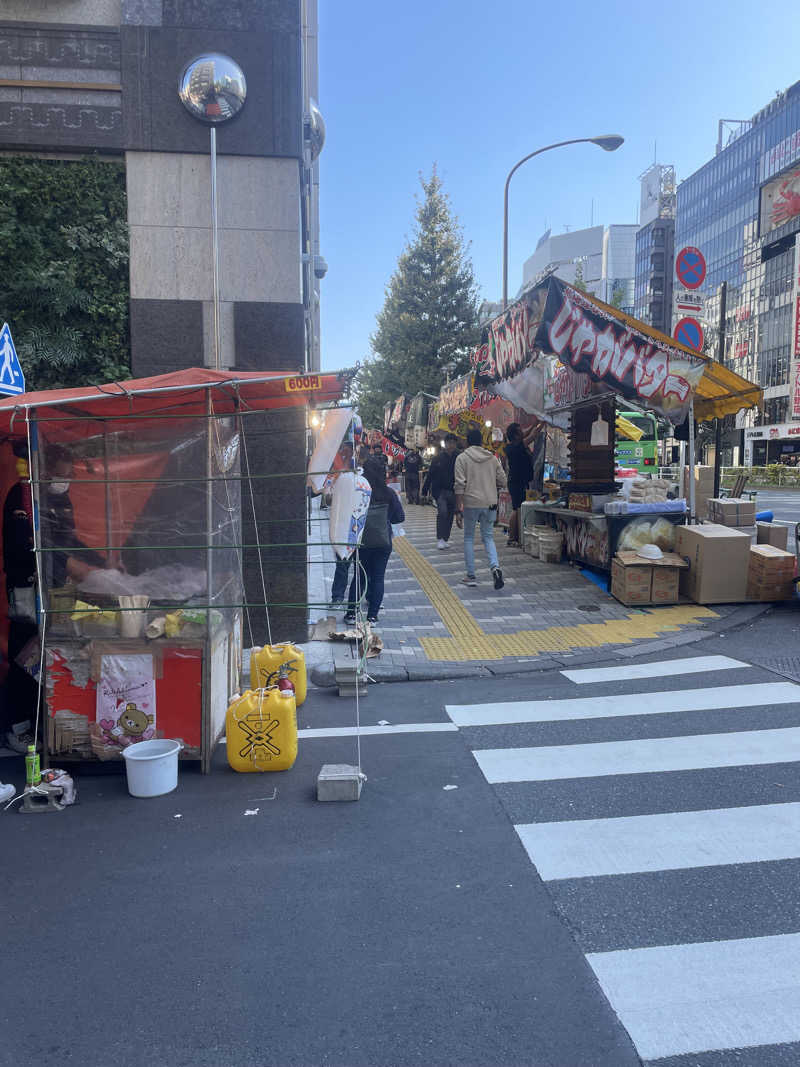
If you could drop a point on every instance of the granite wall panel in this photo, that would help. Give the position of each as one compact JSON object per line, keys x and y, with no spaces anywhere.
{"x":166,"y":335}
{"x":268,"y":336}
{"x":153,"y":59}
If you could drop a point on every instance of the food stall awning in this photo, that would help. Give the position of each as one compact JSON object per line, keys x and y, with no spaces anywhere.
{"x":182,"y":393}
{"x":623,"y":354}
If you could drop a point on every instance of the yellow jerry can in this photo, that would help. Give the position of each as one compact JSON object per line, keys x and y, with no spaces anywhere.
{"x":261,"y":731}
{"x":266,"y":662}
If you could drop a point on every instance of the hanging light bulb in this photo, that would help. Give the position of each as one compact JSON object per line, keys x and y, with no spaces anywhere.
{"x":314,"y":419}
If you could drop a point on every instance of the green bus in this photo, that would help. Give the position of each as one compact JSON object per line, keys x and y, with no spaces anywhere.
{"x":641,"y":455}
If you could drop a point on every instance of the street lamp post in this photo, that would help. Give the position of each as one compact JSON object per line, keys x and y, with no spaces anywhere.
{"x":609,"y":143}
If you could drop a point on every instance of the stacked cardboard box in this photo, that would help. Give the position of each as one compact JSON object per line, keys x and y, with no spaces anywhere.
{"x":703,"y":487}
{"x":770,"y":573}
{"x":718,"y":557}
{"x":769,"y":533}
{"x":636,"y":580}
{"x":732,"y":511}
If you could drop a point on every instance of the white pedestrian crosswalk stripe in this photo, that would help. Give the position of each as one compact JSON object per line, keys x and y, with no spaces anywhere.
{"x":675,"y":999}
{"x":588,"y":847}
{"x":599,"y":707}
{"x":647,"y":756}
{"x":688,"y":994}
{"x":665,"y":668}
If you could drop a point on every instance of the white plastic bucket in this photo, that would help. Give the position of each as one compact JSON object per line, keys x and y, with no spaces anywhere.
{"x":152,"y":767}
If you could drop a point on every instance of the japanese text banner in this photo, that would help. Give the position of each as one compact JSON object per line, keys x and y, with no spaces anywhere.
{"x":632,"y":364}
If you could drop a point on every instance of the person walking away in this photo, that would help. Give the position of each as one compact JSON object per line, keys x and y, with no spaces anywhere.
{"x":411,"y":466}
{"x":343,"y":462}
{"x":376,"y":544}
{"x":440,"y":483}
{"x":478,"y":477}
{"x":520,"y":472}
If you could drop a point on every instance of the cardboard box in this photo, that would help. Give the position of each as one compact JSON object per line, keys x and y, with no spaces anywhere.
{"x":770,"y":592}
{"x":703,"y":487}
{"x":718,"y":558}
{"x":636,"y":580}
{"x":732,"y":511}
{"x":665,"y":589}
{"x":768,"y":564}
{"x":770,"y":533}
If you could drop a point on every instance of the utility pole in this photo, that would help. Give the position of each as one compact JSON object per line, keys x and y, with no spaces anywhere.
{"x":723,"y":302}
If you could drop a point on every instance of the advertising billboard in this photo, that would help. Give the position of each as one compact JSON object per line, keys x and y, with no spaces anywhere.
{"x":780,"y":201}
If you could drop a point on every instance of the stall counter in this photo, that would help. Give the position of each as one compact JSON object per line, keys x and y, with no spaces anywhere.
{"x":592,"y":537}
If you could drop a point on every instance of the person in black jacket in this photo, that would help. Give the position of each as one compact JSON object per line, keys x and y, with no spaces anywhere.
{"x":411,"y":466}
{"x":385,"y":510}
{"x":519,"y":465}
{"x":19,"y":563}
{"x":440,"y":482}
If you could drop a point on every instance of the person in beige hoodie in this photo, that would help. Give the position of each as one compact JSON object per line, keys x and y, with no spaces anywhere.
{"x":478,"y":476}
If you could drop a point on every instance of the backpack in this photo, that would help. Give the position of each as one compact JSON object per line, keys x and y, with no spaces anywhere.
{"x":376,"y":527}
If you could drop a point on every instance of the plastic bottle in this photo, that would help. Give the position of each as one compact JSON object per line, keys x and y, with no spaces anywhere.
{"x":33,"y":771}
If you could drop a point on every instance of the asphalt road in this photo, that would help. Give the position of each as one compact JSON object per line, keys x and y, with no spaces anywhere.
{"x":785,"y":506}
{"x":502,"y":922}
{"x":406,"y":928}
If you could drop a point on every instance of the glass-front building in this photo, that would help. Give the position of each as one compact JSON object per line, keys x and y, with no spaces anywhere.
{"x":742,"y":210}
{"x":653,"y":285}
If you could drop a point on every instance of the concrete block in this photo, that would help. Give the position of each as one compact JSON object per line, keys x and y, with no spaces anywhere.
{"x":350,"y":680}
{"x":339,"y":781}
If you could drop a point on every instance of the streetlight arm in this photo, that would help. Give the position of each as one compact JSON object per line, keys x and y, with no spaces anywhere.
{"x":609,"y":143}
{"x":538,"y":152}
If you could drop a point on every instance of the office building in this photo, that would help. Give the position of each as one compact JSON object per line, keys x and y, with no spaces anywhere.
{"x":601,"y":256}
{"x":655,"y":240}
{"x":741,"y":209}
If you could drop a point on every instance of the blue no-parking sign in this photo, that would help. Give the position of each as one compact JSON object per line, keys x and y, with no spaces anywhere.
{"x":690,"y":267}
{"x":690,"y":333}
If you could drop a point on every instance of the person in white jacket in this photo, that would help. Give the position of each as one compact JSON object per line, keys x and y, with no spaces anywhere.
{"x":478,"y":477}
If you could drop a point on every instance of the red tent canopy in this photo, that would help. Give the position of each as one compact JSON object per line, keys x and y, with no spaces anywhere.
{"x":182,"y":393}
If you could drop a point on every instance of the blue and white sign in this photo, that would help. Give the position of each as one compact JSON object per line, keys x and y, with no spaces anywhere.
{"x":12,"y":380}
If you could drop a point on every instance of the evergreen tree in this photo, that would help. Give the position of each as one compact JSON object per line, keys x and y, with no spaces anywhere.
{"x":429,"y":318}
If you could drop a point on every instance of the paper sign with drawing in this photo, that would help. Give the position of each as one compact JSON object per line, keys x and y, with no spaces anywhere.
{"x":126,"y":699}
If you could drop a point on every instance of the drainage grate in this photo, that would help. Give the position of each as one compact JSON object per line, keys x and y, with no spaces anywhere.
{"x":588,"y":607}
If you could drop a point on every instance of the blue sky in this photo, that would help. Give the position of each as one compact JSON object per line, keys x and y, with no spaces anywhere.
{"x":474,"y":87}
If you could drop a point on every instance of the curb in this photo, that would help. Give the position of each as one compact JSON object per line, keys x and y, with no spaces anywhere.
{"x":324,"y":677}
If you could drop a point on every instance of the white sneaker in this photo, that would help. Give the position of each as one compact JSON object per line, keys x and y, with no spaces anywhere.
{"x":7,"y":792}
{"x":441,"y":545}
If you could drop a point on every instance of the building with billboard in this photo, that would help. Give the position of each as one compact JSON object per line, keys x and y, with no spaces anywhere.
{"x":100,"y":78}
{"x":655,"y":240}
{"x":741,"y":209}
{"x":602,"y":256}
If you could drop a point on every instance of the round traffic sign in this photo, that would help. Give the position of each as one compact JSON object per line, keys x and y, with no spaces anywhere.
{"x":690,"y":267}
{"x":690,"y":333}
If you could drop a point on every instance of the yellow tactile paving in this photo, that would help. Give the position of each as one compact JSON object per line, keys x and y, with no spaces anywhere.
{"x":469,"y":642}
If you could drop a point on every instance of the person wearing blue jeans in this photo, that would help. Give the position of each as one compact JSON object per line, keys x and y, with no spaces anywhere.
{"x":484,"y":518}
{"x":384,"y":510}
{"x":478,"y":477}
{"x":370,"y":580}
{"x":340,"y":576}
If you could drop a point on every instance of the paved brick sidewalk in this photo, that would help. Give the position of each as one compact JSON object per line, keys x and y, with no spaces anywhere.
{"x":430,"y":619}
